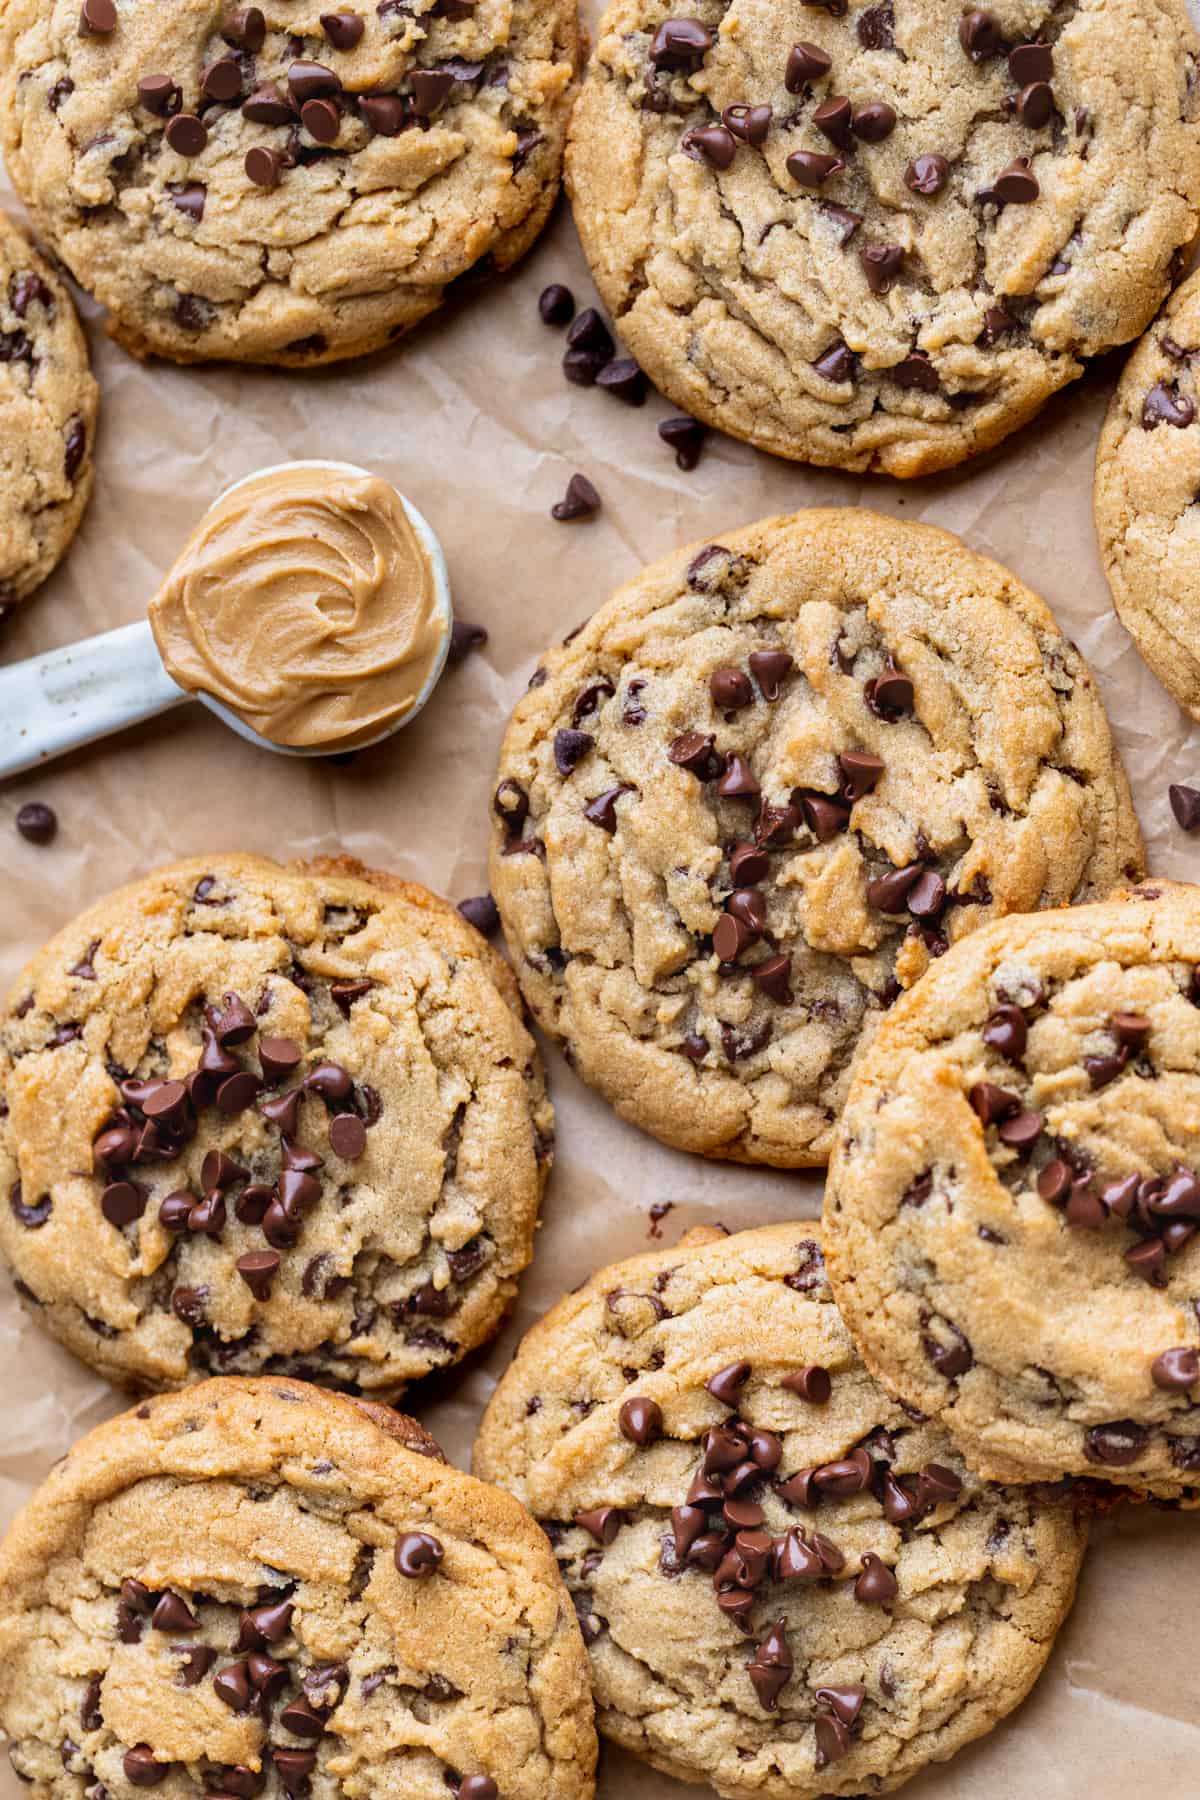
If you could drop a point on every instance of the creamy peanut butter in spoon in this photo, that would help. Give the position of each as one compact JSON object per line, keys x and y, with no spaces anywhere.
{"x":305,"y":603}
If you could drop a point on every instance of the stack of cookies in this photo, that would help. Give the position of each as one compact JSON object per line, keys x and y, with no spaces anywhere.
{"x":811,"y":847}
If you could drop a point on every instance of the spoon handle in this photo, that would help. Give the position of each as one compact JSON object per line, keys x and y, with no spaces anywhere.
{"x":54,"y":703}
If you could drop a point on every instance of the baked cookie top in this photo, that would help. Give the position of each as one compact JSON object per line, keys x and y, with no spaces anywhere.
{"x":258,"y":1588}
{"x":1012,"y":1207}
{"x":766,"y":784}
{"x":881,"y":236}
{"x":48,"y":406}
{"x":268,"y":1119}
{"x":1147,"y":481}
{"x":283,"y":183}
{"x":788,"y":1585}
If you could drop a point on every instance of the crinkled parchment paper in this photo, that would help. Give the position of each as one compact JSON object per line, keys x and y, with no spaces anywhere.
{"x":474,"y":420}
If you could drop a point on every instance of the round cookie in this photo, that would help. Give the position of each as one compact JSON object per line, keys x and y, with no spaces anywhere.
{"x":881,"y":236}
{"x":48,"y":406}
{"x":260,"y":1119}
{"x":766,"y":784}
{"x":1147,"y":480}
{"x":1012,"y":1208}
{"x":851,"y":1604}
{"x":258,"y":1588}
{"x":280,"y":183}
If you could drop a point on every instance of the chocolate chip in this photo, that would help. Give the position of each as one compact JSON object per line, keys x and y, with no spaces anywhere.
{"x":556,"y":304}
{"x":881,"y":263}
{"x":343,"y":29}
{"x":1034,"y":105}
{"x":713,"y":144}
{"x":141,"y":1769}
{"x":1015,"y":185}
{"x":812,"y":1383}
{"x":727,"y":1384}
{"x":680,"y":44}
{"x":1166,"y":406}
{"x":258,"y":1269}
{"x":874,"y":122}
{"x":97,"y":17}
{"x":581,"y":501}
{"x":771,"y":1667}
{"x":624,"y":381}
{"x":811,"y":168}
{"x":1116,"y":1444}
{"x":417,"y":1555}
{"x":1185,"y":804}
{"x":38,"y":824}
{"x":480,"y":911}
{"x":186,"y":134}
{"x":246,"y":29}
{"x":980,"y":35}
{"x":159,"y":95}
{"x":311,"y":81}
{"x":322,"y":120}
{"x":749,"y":123}
{"x":876,"y":1586}
{"x":738,"y":782}
{"x":686,"y":437}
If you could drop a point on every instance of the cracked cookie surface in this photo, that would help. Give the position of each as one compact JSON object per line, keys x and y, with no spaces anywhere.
{"x":762,"y":788}
{"x":48,"y":407}
{"x":880,"y":237}
{"x":1147,"y":482}
{"x":259,"y":1588}
{"x":283,"y":183}
{"x":268,"y":1119}
{"x":788,"y":1586}
{"x":1013,"y":1208}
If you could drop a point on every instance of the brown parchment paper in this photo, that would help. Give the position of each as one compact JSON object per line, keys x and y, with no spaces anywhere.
{"x":474,"y":421}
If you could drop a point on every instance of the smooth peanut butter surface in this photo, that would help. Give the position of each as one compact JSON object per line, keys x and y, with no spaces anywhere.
{"x":306,"y":604}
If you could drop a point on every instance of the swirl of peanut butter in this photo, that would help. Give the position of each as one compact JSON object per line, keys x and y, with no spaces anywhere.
{"x":305,"y":603}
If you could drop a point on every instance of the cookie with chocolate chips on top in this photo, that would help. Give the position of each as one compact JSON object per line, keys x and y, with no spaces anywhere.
{"x":1012,"y":1218}
{"x":1147,"y":482}
{"x":260,"y":1588}
{"x":265,"y":1119}
{"x":788,"y":1583}
{"x":48,"y":407}
{"x":881,"y":236}
{"x":763,"y":788}
{"x":276,"y":183}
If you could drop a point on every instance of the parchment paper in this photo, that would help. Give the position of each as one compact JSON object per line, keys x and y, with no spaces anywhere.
{"x":474,"y":420}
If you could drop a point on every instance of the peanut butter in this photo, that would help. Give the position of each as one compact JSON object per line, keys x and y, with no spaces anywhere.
{"x":304,"y":602}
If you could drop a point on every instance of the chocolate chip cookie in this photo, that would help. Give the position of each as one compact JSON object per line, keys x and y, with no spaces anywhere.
{"x":763,"y":788}
{"x":258,"y":1588}
{"x":48,"y":406}
{"x":279,"y":184}
{"x":1013,"y":1204}
{"x":1147,"y":481}
{"x":881,"y":236}
{"x":260,"y":1119}
{"x":789,"y":1585}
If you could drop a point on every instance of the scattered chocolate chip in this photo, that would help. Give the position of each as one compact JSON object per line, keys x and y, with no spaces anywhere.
{"x":748,"y":123}
{"x":806,"y":62}
{"x":556,"y":304}
{"x":581,"y":501}
{"x":686,"y":437}
{"x":1166,"y":406}
{"x":38,"y":823}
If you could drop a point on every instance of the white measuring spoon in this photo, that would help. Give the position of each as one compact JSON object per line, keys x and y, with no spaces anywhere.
{"x":54,"y":703}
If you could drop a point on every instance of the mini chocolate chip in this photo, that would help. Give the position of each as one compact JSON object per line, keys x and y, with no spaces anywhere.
{"x":417,"y":1554}
{"x":876,"y":1585}
{"x":1185,"y":804}
{"x":812,"y":1383}
{"x":749,"y":123}
{"x":1166,"y":406}
{"x":38,"y":824}
{"x":686,"y":437}
{"x":581,"y":501}
{"x":927,"y":174}
{"x":806,"y":62}
{"x":556,"y":304}
{"x":343,"y":29}
{"x":874,"y":122}
{"x":680,"y":44}
{"x":713,"y":144}
{"x":981,"y":35}
{"x":186,"y":135}
{"x":1176,"y":1369}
